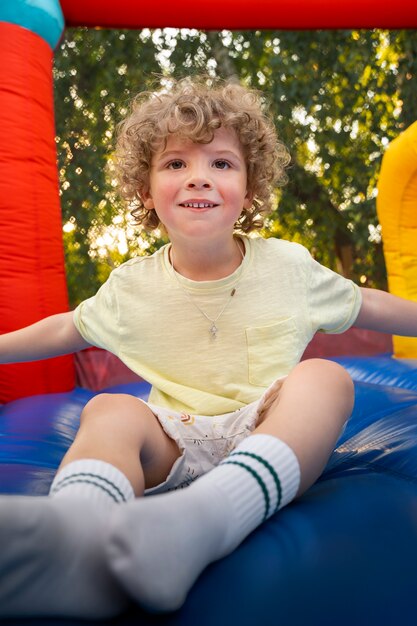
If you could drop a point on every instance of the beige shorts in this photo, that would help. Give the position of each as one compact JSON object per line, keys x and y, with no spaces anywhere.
{"x":204,"y":441}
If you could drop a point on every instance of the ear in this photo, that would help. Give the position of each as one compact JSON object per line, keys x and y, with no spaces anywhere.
{"x":147,"y":200}
{"x":248,"y":200}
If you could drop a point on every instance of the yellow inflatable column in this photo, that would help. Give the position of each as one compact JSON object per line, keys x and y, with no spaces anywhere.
{"x":397,"y":213}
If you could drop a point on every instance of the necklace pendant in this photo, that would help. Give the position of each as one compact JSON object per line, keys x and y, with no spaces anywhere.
{"x":213,"y":330}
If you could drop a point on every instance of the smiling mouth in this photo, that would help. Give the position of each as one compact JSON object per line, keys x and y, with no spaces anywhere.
{"x":198,"y":205}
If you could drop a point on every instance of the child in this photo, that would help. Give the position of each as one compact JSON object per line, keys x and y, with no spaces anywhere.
{"x":217,"y":321}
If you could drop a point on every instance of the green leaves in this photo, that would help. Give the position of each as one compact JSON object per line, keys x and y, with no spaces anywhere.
{"x":337,"y":97}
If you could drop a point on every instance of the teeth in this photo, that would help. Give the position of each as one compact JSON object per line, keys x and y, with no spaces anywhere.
{"x":198,"y":205}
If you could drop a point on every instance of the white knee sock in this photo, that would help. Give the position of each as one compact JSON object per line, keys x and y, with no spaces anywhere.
{"x":158,"y":546}
{"x":52,"y":553}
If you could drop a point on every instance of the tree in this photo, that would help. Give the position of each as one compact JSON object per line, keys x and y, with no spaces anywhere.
{"x":338,"y":98}
{"x":93,"y":72}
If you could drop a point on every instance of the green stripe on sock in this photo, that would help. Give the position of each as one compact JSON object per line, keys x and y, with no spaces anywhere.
{"x":97,"y":478}
{"x":270,"y":468}
{"x":261,"y":483}
{"x":90,"y":482}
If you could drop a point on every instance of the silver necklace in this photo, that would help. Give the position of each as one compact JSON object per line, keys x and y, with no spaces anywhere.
{"x":213,"y":330}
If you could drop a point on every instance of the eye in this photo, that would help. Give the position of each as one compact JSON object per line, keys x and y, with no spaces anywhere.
{"x":175,"y":165}
{"x":221,"y":164}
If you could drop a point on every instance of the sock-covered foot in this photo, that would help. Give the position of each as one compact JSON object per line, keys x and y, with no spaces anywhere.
{"x":158,"y":546}
{"x":52,"y":559}
{"x":52,"y":556}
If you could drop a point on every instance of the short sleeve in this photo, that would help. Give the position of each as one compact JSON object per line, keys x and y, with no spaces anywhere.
{"x":97,"y":319}
{"x":334,"y":301}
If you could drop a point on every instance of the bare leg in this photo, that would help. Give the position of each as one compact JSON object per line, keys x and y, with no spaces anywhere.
{"x":53,"y":548}
{"x":314,"y":403}
{"x":123,"y":431}
{"x":157,"y":562}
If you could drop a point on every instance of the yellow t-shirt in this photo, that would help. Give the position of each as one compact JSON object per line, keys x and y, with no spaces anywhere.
{"x":282,"y":298}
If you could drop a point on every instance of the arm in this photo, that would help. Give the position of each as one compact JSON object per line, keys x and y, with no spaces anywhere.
{"x":386,"y":313}
{"x":52,"y":336}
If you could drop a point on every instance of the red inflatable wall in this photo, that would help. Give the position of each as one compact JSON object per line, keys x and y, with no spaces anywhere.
{"x":32,"y":279}
{"x":242,"y":14}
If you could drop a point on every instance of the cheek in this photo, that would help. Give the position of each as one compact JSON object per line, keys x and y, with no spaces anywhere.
{"x":166,"y":190}
{"x":162,"y":195}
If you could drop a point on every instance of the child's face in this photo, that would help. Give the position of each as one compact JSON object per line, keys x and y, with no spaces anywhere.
{"x":199,"y":190}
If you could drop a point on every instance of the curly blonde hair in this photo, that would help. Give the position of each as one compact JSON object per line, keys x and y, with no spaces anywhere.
{"x":193,"y":109}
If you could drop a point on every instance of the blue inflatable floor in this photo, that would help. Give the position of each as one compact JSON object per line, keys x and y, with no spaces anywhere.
{"x":344,"y":553}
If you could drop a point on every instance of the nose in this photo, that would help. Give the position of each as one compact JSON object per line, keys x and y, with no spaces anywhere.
{"x":198,"y":179}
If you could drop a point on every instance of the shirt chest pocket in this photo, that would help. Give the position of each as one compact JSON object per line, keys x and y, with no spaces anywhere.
{"x":272,"y":351}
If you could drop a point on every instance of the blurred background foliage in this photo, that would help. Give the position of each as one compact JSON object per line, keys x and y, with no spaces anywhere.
{"x":338,"y":98}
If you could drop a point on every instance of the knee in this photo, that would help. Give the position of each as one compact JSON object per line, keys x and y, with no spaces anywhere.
{"x":331,"y":377}
{"x":108,"y":405}
{"x":95,"y":407}
{"x":327,"y":370}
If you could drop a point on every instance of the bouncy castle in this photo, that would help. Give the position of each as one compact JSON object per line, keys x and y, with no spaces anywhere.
{"x":346,"y":551}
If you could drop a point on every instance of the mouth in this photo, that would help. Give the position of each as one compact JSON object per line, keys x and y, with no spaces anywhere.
{"x":198,"y":205}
